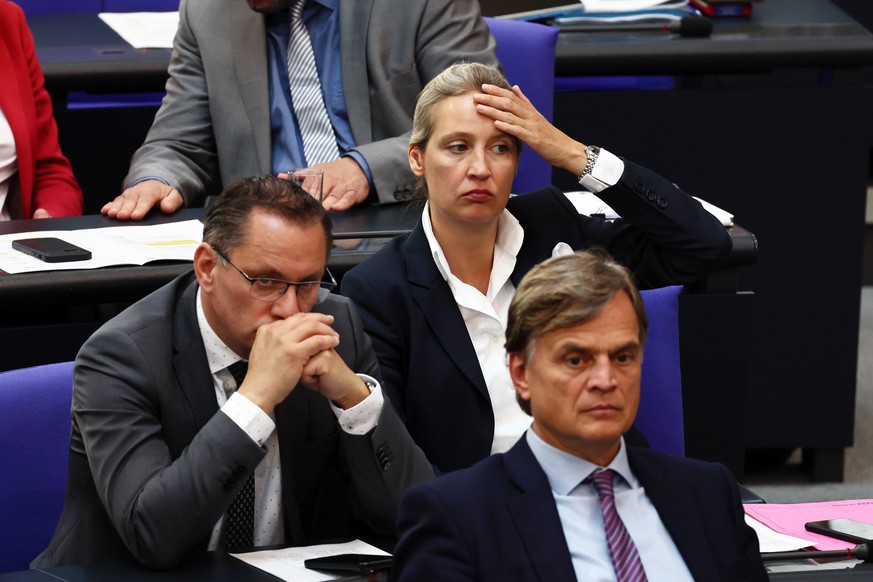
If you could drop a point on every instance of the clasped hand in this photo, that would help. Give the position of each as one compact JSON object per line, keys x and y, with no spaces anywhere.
{"x":299,"y":349}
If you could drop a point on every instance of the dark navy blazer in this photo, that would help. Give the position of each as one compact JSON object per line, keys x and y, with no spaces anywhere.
{"x":498,"y":521}
{"x":429,"y":366}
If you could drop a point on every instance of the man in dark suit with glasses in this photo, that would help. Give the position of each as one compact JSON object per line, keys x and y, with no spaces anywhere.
{"x":238,"y":406}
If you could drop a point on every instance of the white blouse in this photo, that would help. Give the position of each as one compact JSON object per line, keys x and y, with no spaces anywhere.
{"x":8,"y":165}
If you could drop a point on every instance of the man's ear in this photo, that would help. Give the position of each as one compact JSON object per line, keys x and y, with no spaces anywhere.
{"x":205,"y":262}
{"x":518,"y":374}
{"x":416,"y":160}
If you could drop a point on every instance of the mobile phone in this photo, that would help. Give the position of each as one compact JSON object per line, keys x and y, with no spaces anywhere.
{"x":847,"y":530}
{"x":361,"y":563}
{"x":51,"y":249}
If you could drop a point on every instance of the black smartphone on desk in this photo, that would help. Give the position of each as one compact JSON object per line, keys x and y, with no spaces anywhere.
{"x":360,"y":563}
{"x":51,"y":249}
{"x":847,"y":530}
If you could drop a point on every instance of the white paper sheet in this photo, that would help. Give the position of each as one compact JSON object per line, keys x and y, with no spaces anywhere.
{"x":287,"y":563}
{"x":113,"y":245}
{"x":144,"y":29}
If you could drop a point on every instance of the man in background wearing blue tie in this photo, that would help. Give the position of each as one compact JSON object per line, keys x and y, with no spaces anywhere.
{"x":570,"y":501}
{"x":252,"y":88}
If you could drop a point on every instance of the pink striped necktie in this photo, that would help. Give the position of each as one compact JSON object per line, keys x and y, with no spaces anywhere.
{"x":625,"y":559}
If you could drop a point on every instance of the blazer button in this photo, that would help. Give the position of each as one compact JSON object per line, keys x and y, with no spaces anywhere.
{"x":662,"y":202}
{"x":402,"y":194}
{"x":640,"y":187}
{"x":651,"y":195}
{"x":385,"y":457}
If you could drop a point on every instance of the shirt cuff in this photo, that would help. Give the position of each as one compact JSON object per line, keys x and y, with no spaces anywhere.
{"x":364,"y":416}
{"x":248,"y":416}
{"x":607,"y":172}
{"x":356,"y":155}
{"x":143,"y":179}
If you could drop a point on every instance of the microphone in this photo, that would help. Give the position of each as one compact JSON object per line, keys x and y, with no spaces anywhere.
{"x":859,"y":552}
{"x":685,"y":26}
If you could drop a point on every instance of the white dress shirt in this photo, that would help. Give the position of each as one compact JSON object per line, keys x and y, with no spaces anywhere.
{"x":485,"y":320}
{"x":579,"y":510}
{"x":269,"y":522}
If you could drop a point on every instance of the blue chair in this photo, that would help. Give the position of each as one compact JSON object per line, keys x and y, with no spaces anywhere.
{"x":660,"y":414}
{"x":34,"y":451}
{"x":527,"y":52}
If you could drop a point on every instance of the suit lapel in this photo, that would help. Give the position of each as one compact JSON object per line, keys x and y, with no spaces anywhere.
{"x":678,"y":512}
{"x":535,"y":247}
{"x":249,"y":56}
{"x":354,"y":17}
{"x":547,"y":218}
{"x":535,"y":515}
{"x":189,"y":361}
{"x":433,"y":296}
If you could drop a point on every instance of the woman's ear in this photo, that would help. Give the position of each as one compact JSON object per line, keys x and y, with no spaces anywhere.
{"x":416,"y":160}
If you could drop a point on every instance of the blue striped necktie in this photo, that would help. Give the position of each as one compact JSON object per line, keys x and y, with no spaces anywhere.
{"x":316,"y":130}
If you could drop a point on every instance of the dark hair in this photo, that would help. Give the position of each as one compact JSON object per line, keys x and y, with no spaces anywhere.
{"x":566,"y":291}
{"x":225,"y":224}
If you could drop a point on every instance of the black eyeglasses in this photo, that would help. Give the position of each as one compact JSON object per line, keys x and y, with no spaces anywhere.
{"x":267,"y":289}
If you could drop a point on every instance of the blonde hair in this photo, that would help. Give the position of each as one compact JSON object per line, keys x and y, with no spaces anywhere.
{"x":458,"y":79}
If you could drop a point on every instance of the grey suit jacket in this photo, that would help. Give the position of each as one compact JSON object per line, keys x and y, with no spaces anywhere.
{"x":214,"y":124}
{"x":153,"y":467}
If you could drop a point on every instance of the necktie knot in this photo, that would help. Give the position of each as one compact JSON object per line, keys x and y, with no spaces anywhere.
{"x":601,"y":480}
{"x":238,"y":371}
{"x":297,"y":9}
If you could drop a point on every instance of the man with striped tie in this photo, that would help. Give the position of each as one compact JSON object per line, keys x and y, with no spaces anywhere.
{"x":570,"y":501}
{"x":266,"y":86}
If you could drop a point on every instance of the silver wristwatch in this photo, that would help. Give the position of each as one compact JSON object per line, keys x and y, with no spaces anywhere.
{"x":592,"y":152}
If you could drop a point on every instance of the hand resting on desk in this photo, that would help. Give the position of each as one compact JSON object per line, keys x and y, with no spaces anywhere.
{"x":345,"y":183}
{"x":135,"y":202}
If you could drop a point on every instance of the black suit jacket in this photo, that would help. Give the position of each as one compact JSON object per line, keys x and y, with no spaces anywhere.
{"x":427,"y":358}
{"x":153,"y":467}
{"x":498,"y":521}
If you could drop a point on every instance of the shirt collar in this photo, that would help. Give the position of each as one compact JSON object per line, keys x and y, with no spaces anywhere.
{"x":218,"y":355}
{"x":510,"y":236}
{"x":283,"y":17}
{"x":565,"y":471}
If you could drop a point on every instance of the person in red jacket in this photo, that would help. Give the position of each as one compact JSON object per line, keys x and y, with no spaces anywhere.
{"x":36,"y":180}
